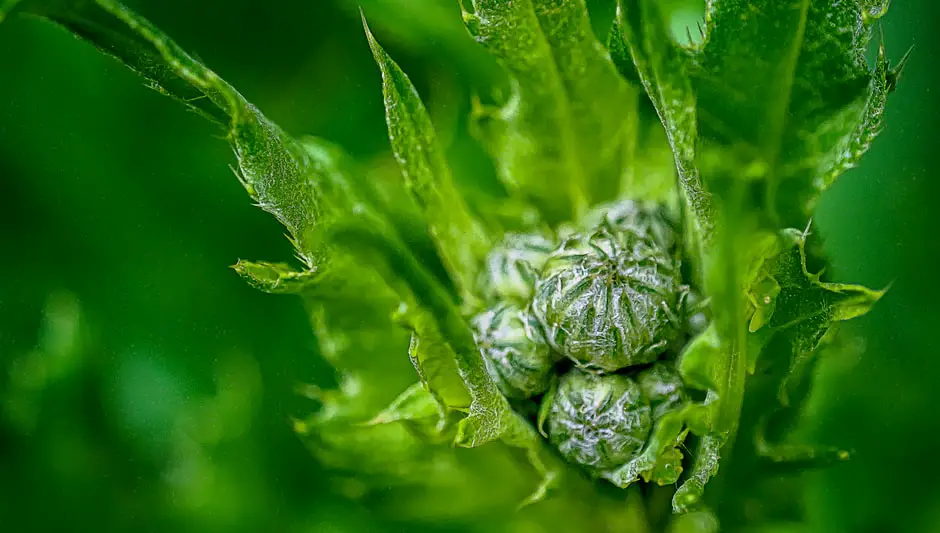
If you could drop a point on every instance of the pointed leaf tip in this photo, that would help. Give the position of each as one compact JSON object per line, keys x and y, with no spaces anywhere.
{"x":460,"y":239}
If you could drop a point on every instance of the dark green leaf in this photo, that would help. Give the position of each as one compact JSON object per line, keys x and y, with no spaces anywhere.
{"x":803,"y":307}
{"x":786,"y":85}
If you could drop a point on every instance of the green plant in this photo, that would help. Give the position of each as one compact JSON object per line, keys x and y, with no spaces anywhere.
{"x":761,"y":118}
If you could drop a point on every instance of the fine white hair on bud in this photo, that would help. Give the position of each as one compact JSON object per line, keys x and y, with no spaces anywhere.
{"x":607,"y":299}
{"x":516,"y":356}
{"x":598,"y":421}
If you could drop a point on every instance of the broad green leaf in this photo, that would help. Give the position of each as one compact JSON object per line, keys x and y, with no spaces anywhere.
{"x":351,"y":318}
{"x":786,"y":85}
{"x":460,"y":239}
{"x":351,"y":311}
{"x":417,"y":478}
{"x":559,"y":138}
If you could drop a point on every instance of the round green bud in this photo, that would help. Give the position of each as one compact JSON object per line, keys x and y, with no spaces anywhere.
{"x":607,"y":300}
{"x":512,"y":266}
{"x":598,"y":421}
{"x":663,"y":388}
{"x":516,"y":355}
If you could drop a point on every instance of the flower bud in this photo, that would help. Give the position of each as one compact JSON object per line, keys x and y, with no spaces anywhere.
{"x":628,"y":215}
{"x":512,"y":266}
{"x":516,"y":356}
{"x":598,"y":421}
{"x":607,"y":299}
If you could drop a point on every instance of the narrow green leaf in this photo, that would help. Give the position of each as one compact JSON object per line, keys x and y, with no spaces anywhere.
{"x":460,"y":239}
{"x":275,"y":170}
{"x":276,"y":278}
{"x":435,"y":362}
{"x":558,"y":139}
{"x":660,"y":64}
{"x":689,"y":495}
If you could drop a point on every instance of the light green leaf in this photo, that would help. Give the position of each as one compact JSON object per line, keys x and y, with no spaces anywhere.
{"x":416,"y":403}
{"x":689,"y":495}
{"x":276,"y":278}
{"x":431,"y":311}
{"x":559,"y":138}
{"x":435,"y":362}
{"x":460,"y":239}
{"x":701,"y":364}
{"x":657,"y":460}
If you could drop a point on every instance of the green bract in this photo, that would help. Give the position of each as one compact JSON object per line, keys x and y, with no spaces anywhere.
{"x":607,"y":299}
{"x":599,"y":422}
{"x":516,"y":356}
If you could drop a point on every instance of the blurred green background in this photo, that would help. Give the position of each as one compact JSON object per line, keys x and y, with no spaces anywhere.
{"x":145,"y":387}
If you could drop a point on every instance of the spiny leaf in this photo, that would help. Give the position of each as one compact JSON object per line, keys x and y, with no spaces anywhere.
{"x":787,"y":86}
{"x":276,"y":278}
{"x":460,"y":239}
{"x":804,"y":307}
{"x":274,"y":169}
{"x":660,"y":64}
{"x":559,"y":138}
{"x":883,"y":81}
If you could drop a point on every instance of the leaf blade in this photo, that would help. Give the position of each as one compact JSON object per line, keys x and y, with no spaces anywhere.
{"x":558,"y":138}
{"x":460,"y":239}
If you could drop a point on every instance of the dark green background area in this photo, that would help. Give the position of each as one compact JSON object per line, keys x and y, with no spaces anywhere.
{"x":145,"y":387}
